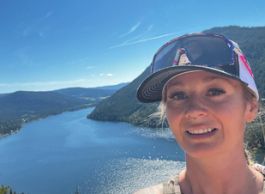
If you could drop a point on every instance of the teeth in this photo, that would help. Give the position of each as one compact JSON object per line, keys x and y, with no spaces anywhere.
{"x":201,"y":131}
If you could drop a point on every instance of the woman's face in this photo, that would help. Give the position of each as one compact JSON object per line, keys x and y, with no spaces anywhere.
{"x":217,"y":107}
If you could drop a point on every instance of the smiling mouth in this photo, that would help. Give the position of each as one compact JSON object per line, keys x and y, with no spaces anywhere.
{"x":202,"y":131}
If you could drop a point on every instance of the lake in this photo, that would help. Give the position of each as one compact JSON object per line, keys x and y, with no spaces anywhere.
{"x":59,"y":153}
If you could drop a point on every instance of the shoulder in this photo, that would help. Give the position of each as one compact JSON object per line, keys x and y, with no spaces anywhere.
{"x":156,"y":189}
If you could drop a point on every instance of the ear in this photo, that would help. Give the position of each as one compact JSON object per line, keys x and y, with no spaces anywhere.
{"x":251,"y":111}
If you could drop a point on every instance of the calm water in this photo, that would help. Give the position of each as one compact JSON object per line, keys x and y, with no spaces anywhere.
{"x":57,"y":154}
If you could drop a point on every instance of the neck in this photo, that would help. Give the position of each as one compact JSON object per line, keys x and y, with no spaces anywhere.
{"x":225,"y":173}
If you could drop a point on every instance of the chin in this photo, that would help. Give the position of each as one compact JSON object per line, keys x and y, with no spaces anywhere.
{"x":202,"y":151}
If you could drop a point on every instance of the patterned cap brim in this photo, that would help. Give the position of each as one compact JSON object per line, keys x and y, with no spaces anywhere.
{"x":151,"y":88}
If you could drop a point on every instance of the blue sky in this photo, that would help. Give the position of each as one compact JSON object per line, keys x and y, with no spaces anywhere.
{"x":52,"y":44}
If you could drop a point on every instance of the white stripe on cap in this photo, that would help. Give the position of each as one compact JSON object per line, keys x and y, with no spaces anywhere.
{"x":245,"y":75}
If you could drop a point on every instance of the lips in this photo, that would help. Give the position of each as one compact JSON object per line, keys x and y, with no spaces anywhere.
{"x":201,"y":131}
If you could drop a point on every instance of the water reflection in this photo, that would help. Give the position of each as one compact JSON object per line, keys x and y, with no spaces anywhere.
{"x":59,"y":153}
{"x":128,"y":175}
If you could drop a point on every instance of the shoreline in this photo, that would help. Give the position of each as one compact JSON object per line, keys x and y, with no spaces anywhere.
{"x":44,"y":117}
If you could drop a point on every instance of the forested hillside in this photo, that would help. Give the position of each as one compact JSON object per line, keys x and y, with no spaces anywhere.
{"x":21,"y":107}
{"x":123,"y":105}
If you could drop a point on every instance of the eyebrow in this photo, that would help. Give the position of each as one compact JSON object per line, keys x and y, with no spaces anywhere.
{"x":209,"y":79}
{"x":177,"y":84}
{"x":206,"y":80}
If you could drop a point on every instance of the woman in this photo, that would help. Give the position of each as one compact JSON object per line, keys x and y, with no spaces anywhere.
{"x":208,"y":94}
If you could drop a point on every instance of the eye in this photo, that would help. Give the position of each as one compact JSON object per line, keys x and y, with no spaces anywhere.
{"x":178,"y":96}
{"x":215,"y":92}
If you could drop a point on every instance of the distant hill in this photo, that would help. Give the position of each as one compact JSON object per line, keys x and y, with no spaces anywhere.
{"x":86,"y":92}
{"x":96,"y":92}
{"x":22,"y":102}
{"x":123,"y":105}
{"x":114,"y":87}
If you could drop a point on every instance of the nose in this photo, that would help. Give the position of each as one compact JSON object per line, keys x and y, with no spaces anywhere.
{"x":196,"y":108}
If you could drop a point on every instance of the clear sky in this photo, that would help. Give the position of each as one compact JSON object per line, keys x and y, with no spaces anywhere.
{"x":52,"y":44}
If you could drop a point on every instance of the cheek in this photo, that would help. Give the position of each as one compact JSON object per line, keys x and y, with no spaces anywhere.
{"x":174,"y":116}
{"x":173,"y":112}
{"x":224,"y":109}
{"x":230,"y":113}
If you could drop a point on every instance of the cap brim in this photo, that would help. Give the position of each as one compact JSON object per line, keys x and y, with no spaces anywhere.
{"x":151,"y":88}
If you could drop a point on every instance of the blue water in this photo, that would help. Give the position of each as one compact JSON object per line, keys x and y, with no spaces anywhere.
{"x":57,"y":154}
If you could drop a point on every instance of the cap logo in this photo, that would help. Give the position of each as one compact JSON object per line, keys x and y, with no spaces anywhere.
{"x":183,"y":60}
